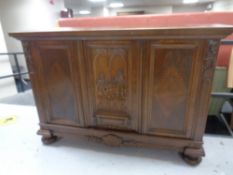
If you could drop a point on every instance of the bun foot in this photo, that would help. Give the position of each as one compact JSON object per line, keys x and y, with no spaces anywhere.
{"x":191,"y":160}
{"x":193,"y":156}
{"x":48,"y":140}
{"x":47,"y":136}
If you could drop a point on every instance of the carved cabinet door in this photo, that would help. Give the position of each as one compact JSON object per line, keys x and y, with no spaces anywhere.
{"x":171,"y":87}
{"x":55,"y":80}
{"x":113,"y":79}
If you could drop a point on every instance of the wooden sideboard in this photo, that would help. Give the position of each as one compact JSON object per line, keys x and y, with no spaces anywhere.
{"x":137,"y":87}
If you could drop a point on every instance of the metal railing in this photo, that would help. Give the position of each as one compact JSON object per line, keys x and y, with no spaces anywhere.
{"x":18,"y":73}
{"x":224,"y":95}
{"x":226,"y":42}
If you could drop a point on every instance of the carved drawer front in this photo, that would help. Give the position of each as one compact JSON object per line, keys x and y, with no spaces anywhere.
{"x":56,"y":70}
{"x":113,"y":84}
{"x":170,"y":88}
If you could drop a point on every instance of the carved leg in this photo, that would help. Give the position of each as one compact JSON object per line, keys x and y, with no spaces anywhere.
{"x":47,"y":137}
{"x":193,"y":156}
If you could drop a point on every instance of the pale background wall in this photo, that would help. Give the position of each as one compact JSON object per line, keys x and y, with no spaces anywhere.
{"x":189,"y":8}
{"x":23,"y":15}
{"x":7,"y":86}
{"x":148,"y":10}
{"x":223,"y":5}
{"x":18,"y":16}
{"x":99,"y":11}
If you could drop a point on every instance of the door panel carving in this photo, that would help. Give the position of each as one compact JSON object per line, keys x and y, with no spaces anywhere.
{"x":112,"y":68}
{"x":110,"y":73}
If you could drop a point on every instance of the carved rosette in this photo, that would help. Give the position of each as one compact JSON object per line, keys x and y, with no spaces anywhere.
{"x":109,"y":139}
{"x":209,"y":60}
{"x":27,"y":54}
{"x":114,"y":140}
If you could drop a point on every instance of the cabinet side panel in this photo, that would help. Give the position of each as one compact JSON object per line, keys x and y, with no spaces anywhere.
{"x":34,"y":72}
{"x":208,"y":62}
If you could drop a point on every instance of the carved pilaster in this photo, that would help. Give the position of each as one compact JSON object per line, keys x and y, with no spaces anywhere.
{"x":27,"y":54}
{"x":209,"y":60}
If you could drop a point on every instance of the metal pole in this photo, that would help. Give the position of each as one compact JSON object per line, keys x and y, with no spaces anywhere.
{"x":225,"y":95}
{"x":18,"y":70}
{"x":13,"y":75}
{"x":227,"y":42}
{"x":226,"y":124}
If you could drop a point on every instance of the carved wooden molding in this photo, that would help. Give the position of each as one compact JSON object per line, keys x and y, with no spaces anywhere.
{"x":115,"y":141}
{"x":209,"y":60}
{"x":27,"y":53}
{"x":112,"y":121}
{"x":109,"y":139}
{"x":112,"y":140}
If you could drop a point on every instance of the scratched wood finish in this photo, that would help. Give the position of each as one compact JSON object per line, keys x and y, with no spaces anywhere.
{"x":132,"y":87}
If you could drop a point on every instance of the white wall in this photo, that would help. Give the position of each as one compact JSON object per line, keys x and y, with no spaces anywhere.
{"x":99,"y":11}
{"x":26,"y":15}
{"x":147,"y":10}
{"x":189,"y":8}
{"x":7,"y":86}
{"x":223,"y":5}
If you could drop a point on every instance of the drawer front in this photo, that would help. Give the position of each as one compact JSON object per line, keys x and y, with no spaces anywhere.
{"x":56,"y":78}
{"x":113,"y":79}
{"x":170,"y":87}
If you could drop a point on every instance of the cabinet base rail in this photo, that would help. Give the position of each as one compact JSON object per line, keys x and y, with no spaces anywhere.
{"x":190,"y":150}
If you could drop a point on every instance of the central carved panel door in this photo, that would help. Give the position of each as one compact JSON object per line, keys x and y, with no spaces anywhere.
{"x":113,"y":84}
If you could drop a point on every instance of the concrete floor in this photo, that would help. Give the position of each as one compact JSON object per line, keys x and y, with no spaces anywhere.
{"x":23,"y":98}
{"x":21,"y":152}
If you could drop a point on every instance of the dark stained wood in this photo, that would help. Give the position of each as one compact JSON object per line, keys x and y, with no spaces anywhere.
{"x":113,"y":74}
{"x":133,"y":87}
{"x":128,"y":138}
{"x":56,"y":71}
{"x":170,"y":99}
{"x":205,"y":32}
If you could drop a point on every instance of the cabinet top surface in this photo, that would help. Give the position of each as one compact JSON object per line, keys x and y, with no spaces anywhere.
{"x":204,"y":31}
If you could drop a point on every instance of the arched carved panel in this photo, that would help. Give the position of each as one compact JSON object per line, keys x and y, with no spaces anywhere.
{"x":110,"y":66}
{"x":110,"y":73}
